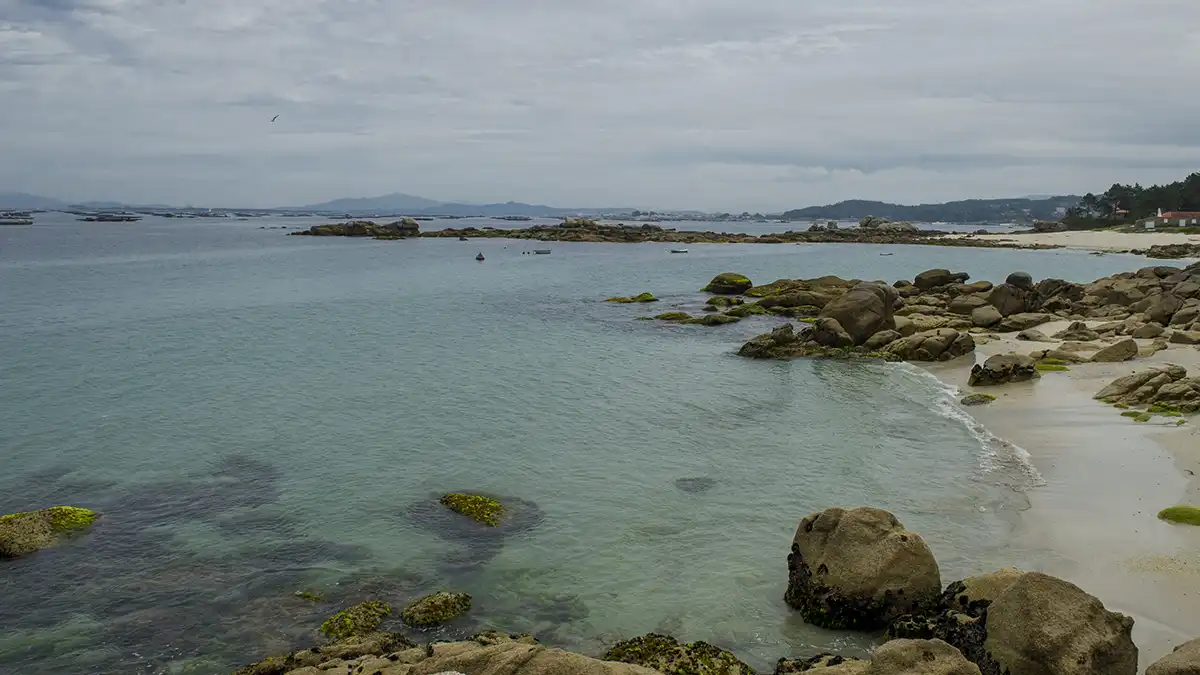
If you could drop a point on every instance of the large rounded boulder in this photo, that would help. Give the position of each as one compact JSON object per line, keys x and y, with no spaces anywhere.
{"x":919,"y":657}
{"x":1185,"y":660}
{"x":1042,"y":625}
{"x":858,"y":569}
{"x":729,"y":283}
{"x":933,"y":278}
{"x":864,"y":310}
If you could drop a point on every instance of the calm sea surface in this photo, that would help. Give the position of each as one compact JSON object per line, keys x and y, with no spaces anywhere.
{"x":257,"y":415}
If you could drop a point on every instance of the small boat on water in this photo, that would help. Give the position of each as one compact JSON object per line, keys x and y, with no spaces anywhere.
{"x":479,"y":257}
{"x":541,"y":251}
{"x":679,"y":250}
{"x":887,"y":254}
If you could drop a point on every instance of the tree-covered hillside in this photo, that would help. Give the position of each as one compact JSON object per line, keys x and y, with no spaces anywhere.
{"x":966,"y":211}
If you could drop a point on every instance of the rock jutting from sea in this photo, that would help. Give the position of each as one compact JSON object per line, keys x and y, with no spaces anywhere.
{"x":400,"y":229}
{"x":848,"y":569}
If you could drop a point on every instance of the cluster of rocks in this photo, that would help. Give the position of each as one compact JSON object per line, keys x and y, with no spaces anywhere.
{"x":939,"y":315}
{"x":1173,"y":251}
{"x":401,"y":229}
{"x":1165,"y":390}
{"x":860,"y":569}
{"x":584,"y":230}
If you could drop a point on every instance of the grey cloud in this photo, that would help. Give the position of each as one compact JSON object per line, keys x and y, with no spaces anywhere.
{"x":700,"y":103}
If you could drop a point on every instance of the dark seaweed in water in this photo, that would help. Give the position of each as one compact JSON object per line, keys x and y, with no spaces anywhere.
{"x":695,"y":485}
{"x":138,"y":600}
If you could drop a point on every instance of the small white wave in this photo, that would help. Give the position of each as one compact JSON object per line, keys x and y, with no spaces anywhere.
{"x":999,"y":456}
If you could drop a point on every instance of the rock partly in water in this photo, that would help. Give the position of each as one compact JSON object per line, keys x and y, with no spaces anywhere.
{"x":361,"y":619}
{"x":781,"y":343}
{"x":1002,"y":369}
{"x":858,"y":569}
{"x":436,"y":609}
{"x":481,"y":509}
{"x":642,"y":297}
{"x":729,"y":283}
{"x":25,"y":533}
{"x":1041,"y":625}
{"x":713,"y":320}
{"x":667,"y":655}
{"x":340,"y":651}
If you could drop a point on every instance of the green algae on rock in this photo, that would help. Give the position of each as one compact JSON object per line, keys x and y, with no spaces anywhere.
{"x":309,"y":596}
{"x":1186,"y":515}
{"x":729,"y":283}
{"x":358,"y":620}
{"x":714,"y":320}
{"x":674,"y":316}
{"x":1046,"y":367}
{"x":24,"y":533}
{"x":484,"y":510}
{"x":436,"y":609}
{"x":977,"y":399}
{"x":724,"y":301}
{"x":641,"y":297}
{"x":666,"y":655}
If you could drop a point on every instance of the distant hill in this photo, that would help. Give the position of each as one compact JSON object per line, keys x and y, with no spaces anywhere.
{"x":396,"y":201}
{"x":965,"y":211}
{"x":512,"y":209}
{"x":24,"y":201}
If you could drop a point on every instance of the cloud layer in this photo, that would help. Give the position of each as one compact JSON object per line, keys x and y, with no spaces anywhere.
{"x":650,"y":103}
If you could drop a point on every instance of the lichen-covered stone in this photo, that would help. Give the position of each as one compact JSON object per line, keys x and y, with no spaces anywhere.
{"x":674,"y":316}
{"x":670,"y":657}
{"x":436,"y":609}
{"x":479,"y":508}
{"x":361,"y":619}
{"x":25,"y":533}
{"x":858,"y":569}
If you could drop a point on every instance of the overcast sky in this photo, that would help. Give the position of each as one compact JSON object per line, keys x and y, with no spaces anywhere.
{"x":713,"y":104}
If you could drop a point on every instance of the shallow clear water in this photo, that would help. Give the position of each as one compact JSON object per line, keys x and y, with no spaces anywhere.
{"x":258,"y":414}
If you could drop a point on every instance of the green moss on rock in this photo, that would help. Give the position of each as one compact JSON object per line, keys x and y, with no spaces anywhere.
{"x":674,"y":316}
{"x":436,"y":609}
{"x":309,"y":596}
{"x":1121,"y":406}
{"x":1054,"y":362}
{"x":724,"y":301}
{"x":481,"y":509}
{"x":729,"y":283}
{"x":713,"y":320}
{"x":1187,"y":515}
{"x":743,"y":311}
{"x":1046,"y":367}
{"x":24,"y":533}
{"x":977,"y":399}
{"x":360,"y":619}
{"x":668,"y":656}
{"x":641,"y":297}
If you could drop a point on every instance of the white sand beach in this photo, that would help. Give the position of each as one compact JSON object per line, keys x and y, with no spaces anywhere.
{"x":1095,"y":240}
{"x":1106,"y":477}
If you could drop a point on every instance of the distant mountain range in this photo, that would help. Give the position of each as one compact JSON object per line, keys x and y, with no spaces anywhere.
{"x":965,"y":211}
{"x":970,"y":210}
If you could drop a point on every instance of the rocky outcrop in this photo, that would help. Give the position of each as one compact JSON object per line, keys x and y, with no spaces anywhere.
{"x":931,"y":279}
{"x":1002,"y":369}
{"x":403,"y":228}
{"x":942,"y":344}
{"x":361,"y":619}
{"x":1022,"y":321}
{"x":1041,"y":625}
{"x":1185,"y":660}
{"x":1168,"y":387}
{"x":25,"y":533}
{"x":436,"y":609}
{"x":781,"y":343}
{"x":667,"y":655}
{"x":858,"y":569}
{"x":863,"y":311}
{"x":480,"y":508}
{"x":729,"y":283}
{"x":1008,"y":299}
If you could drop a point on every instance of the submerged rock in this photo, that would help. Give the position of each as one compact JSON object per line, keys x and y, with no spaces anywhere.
{"x":24,"y":533}
{"x":667,"y":655}
{"x":361,"y":619}
{"x":695,"y":485}
{"x":729,"y":283}
{"x":436,"y":609}
{"x":858,"y":569}
{"x":643,"y":297}
{"x":479,"y":508}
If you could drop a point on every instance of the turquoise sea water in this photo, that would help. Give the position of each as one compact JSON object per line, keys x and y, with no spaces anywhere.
{"x":257,"y":414}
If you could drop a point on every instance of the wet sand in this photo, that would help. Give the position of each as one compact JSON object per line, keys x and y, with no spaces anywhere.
{"x":1106,"y":478}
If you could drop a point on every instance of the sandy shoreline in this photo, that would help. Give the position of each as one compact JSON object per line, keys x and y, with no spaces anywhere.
{"x":1095,"y":240}
{"x":1106,"y":477}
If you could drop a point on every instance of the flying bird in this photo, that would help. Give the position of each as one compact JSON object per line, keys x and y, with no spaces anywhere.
{"x":275,"y":118}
